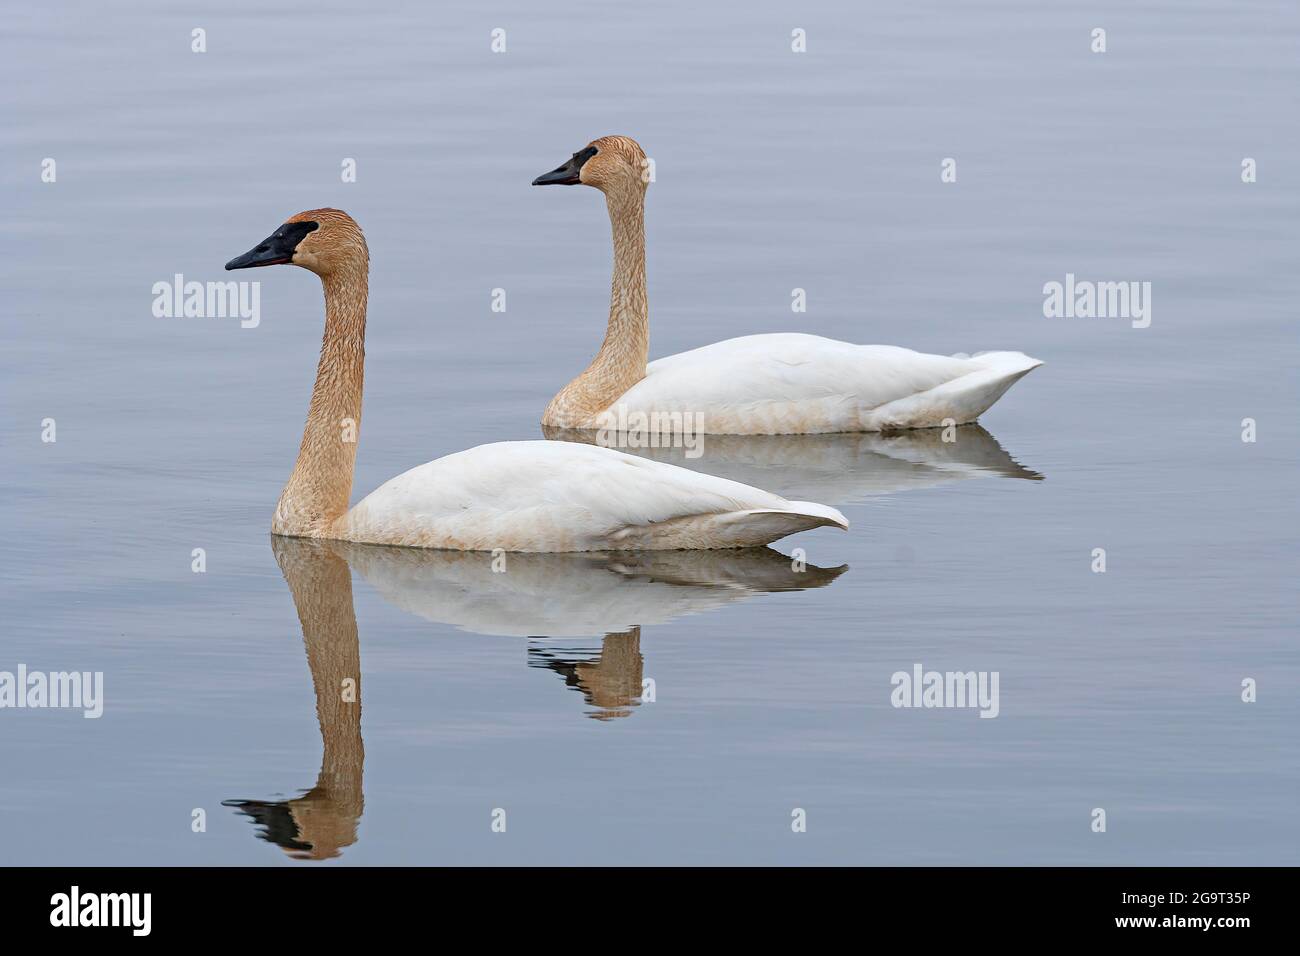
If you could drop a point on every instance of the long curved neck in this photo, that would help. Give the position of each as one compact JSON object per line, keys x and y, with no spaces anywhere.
{"x":626,"y":348}
{"x":320,"y":487}
{"x":623,"y":354}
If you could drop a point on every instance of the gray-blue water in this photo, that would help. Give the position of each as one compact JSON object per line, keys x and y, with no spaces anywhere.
{"x":775,"y":170}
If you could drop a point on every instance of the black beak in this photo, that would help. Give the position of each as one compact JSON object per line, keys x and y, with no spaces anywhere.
{"x":566,"y":175}
{"x":276,"y":249}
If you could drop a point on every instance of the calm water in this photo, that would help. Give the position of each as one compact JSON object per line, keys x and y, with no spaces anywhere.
{"x":775,"y":170}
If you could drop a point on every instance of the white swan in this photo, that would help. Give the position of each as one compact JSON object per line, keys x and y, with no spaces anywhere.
{"x":785,"y":383}
{"x":515,"y":496}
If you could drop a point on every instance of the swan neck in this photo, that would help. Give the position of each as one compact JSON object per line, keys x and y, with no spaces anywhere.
{"x":320,"y":487}
{"x":626,"y":348}
{"x":621,"y":361}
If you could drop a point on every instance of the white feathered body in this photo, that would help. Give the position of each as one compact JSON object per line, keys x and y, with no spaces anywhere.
{"x":541,"y":496}
{"x":792,"y":383}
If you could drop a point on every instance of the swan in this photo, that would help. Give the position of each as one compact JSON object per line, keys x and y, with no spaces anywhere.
{"x":532,"y":496}
{"x":774,"y":384}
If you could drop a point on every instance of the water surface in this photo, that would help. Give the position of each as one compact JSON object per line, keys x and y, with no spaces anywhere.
{"x":774,"y":171}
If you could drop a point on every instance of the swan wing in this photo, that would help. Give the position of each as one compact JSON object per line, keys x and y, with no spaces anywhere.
{"x":546,"y":496}
{"x":791,"y":382}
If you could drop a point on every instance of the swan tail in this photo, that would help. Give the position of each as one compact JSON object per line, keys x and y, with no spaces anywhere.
{"x":759,"y":526}
{"x":750,"y":528}
{"x":823,"y":514}
{"x":1009,"y":363}
{"x":959,"y":401}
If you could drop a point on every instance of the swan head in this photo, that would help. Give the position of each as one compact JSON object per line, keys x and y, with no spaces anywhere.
{"x":609,"y":163}
{"x":320,"y":240}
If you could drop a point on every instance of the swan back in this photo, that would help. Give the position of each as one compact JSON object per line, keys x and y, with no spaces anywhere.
{"x":560,"y":496}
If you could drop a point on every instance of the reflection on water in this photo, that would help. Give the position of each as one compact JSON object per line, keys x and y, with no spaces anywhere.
{"x":610,"y":681}
{"x":586,"y":594}
{"x":323,"y":820}
{"x":833,"y":469}
{"x":564,"y":595}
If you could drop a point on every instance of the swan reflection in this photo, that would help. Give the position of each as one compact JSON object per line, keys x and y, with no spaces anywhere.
{"x":837,"y":469}
{"x":585,"y":594}
{"x":317,"y":824}
{"x":610,"y":681}
{"x":606,"y":595}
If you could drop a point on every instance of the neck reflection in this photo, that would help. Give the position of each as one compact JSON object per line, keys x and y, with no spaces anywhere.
{"x":323,"y":820}
{"x":610,"y":682}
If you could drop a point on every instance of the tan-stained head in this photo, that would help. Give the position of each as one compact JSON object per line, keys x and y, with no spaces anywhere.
{"x":608,"y":163}
{"x":321,"y":240}
{"x":617,"y":159}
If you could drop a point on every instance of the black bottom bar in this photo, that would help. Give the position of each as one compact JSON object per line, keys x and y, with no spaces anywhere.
{"x":257,"y":905}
